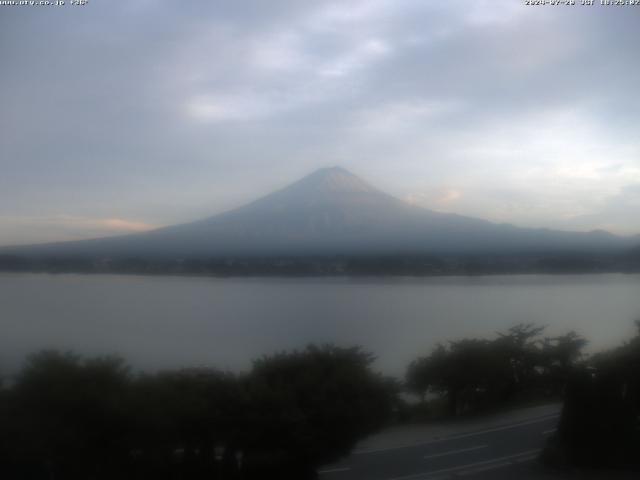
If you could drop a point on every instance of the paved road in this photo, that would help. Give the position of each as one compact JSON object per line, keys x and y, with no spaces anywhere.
{"x":497,"y":451}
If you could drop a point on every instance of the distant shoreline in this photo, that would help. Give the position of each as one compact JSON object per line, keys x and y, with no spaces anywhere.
{"x":341,"y":267}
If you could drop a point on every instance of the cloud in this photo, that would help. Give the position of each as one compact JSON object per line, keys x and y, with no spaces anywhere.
{"x":617,"y":213}
{"x":119,"y":224}
{"x":230,"y":107}
{"x":442,"y":199}
{"x":65,"y":227}
{"x":400,"y":117}
{"x":360,"y":56}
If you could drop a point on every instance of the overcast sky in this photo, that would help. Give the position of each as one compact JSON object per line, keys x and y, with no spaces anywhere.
{"x":121,"y":116}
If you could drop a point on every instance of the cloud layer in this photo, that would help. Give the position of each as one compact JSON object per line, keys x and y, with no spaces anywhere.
{"x":164,"y":112}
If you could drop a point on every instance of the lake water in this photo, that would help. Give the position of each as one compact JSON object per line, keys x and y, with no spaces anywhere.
{"x":168,"y":322}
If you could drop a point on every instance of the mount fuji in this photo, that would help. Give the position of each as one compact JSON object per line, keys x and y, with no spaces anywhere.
{"x":331,"y":212}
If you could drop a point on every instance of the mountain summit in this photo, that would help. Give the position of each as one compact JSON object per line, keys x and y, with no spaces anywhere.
{"x":330,"y":191}
{"x":332,"y":179}
{"x":329,"y":212}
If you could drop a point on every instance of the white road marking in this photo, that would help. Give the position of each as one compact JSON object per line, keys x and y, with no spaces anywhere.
{"x":453,"y":452}
{"x":458,"y":436}
{"x":486,"y":468}
{"x":547,"y":432}
{"x":498,"y":429}
{"x":470,"y":468}
{"x":334,"y":470}
{"x":527,"y":458}
{"x":494,"y":466}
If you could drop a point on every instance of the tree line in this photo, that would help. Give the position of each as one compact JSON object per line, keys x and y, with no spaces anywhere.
{"x":471,"y":374}
{"x":68,"y":417}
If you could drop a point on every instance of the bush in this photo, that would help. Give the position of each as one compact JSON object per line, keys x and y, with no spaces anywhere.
{"x":72,"y":418}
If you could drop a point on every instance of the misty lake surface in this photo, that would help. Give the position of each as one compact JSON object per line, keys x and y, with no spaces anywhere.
{"x":173,"y":322}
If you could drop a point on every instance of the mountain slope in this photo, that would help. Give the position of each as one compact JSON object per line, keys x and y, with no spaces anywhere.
{"x":330,"y":212}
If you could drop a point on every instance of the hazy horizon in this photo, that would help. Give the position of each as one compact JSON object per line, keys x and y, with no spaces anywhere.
{"x":318,"y":186}
{"x":118,"y":118}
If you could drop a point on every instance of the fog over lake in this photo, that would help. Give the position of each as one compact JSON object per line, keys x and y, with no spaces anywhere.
{"x":172,"y":322}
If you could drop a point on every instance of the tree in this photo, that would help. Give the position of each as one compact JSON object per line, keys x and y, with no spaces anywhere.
{"x":179,"y":418}
{"x":520,"y":346}
{"x":72,"y":418}
{"x":559,"y":356}
{"x":310,"y":407}
{"x":475,"y":373}
{"x":66,"y":415}
{"x":468,"y":372}
{"x":600,"y":421}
